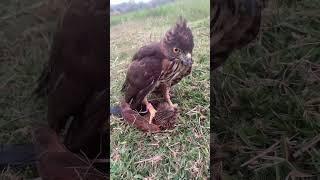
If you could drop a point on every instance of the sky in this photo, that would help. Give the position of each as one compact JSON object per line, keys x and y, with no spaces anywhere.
{"x":113,"y":2}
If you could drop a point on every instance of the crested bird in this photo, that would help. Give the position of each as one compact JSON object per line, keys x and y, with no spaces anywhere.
{"x":158,"y":66}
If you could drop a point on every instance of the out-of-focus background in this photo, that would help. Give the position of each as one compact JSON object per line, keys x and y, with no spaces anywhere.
{"x":125,"y":6}
{"x":267,"y":109}
{"x":182,"y":153}
{"x":26,"y":31}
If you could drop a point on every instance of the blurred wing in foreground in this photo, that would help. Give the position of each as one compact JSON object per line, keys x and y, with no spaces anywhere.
{"x":234,"y":24}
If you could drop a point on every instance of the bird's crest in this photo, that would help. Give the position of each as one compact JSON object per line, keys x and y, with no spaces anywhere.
{"x":180,"y":33}
{"x":181,"y":24}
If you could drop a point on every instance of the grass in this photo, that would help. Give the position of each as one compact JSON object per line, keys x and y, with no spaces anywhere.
{"x":266,"y":106}
{"x":25,"y":39}
{"x":168,"y":11}
{"x":182,"y":153}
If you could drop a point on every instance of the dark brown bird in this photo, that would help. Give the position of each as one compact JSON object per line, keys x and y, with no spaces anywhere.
{"x":159,"y":66}
{"x":234,"y":24}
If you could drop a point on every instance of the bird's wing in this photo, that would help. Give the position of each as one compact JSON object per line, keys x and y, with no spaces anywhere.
{"x":147,"y":51}
{"x":185,"y":72}
{"x":142,"y":76}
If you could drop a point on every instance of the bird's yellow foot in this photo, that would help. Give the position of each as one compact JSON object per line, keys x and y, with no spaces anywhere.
{"x":152,"y":112}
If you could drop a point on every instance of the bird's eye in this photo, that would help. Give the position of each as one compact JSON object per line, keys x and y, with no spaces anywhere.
{"x":176,"y":50}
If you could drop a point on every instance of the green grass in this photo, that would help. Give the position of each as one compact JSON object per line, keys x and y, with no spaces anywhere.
{"x":267,"y":95}
{"x":182,"y":153}
{"x":25,"y":41}
{"x":186,"y":8}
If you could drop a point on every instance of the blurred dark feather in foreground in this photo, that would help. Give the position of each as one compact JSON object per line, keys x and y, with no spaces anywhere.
{"x":234,"y":24}
{"x":74,"y":78}
{"x":266,"y":99}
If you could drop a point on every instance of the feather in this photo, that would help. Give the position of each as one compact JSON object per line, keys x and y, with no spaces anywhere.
{"x":232,"y":27}
{"x":75,"y":77}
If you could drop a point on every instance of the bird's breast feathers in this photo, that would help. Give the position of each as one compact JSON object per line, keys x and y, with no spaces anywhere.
{"x":172,"y":70}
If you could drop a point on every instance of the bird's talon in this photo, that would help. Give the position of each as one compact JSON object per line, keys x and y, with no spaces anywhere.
{"x":152,"y":112}
{"x":152,"y":115}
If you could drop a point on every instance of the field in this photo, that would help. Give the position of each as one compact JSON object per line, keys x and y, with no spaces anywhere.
{"x":266,"y":112}
{"x":182,"y":153}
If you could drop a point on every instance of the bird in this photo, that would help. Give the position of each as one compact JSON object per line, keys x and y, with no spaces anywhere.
{"x":159,"y":66}
{"x":74,"y":79}
{"x":234,"y":24}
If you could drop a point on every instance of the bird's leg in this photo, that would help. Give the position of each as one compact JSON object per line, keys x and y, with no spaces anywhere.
{"x":150,"y":108}
{"x":166,"y":90}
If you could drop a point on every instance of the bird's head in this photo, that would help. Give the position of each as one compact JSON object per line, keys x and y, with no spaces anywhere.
{"x":178,"y":43}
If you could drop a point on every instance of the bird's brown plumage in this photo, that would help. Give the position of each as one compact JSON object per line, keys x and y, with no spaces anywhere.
{"x":159,"y":64}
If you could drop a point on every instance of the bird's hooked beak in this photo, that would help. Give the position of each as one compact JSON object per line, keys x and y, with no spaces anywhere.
{"x":186,"y":59}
